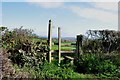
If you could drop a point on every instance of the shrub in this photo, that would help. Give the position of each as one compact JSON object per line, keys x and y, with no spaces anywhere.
{"x":97,"y":64}
{"x":18,"y":43}
{"x":86,"y":63}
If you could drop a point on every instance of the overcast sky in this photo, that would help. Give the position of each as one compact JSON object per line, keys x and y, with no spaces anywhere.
{"x":73,"y":17}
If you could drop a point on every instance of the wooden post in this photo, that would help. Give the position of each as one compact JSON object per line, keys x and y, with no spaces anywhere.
{"x":81,"y":40}
{"x":79,"y":44}
{"x":59,"y":44}
{"x":49,"y":40}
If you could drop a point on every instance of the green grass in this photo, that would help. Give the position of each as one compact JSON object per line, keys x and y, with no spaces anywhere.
{"x":38,"y":39}
{"x":52,"y":71}
{"x":63,"y":48}
{"x":35,"y":39}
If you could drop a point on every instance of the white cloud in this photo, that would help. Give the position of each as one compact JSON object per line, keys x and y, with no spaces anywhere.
{"x":46,"y":4}
{"x":73,"y":0}
{"x":103,"y":4}
{"x":102,"y":0}
{"x":94,"y":14}
{"x":12,"y":0}
{"x":101,"y":11}
{"x":60,"y":0}
{"x":45,"y":0}
{"x":107,"y":5}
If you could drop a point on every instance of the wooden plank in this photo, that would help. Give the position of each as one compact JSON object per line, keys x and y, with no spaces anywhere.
{"x":67,"y":52}
{"x":62,"y":52}
{"x":69,"y":57}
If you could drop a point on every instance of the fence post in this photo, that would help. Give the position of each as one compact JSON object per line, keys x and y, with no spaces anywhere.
{"x":79,"y":45}
{"x":49,"y":40}
{"x":59,"y":44}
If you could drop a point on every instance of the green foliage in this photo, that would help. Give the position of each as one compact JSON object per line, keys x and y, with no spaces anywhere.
{"x":27,"y":51}
{"x":97,"y":64}
{"x":50,"y":70}
{"x":14,"y":39}
{"x":65,"y":72}
{"x":64,"y":47}
{"x":21,"y":48}
{"x":104,"y":41}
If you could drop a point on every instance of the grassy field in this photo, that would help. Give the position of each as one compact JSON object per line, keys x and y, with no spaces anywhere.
{"x":63,"y":48}
{"x":38,"y":39}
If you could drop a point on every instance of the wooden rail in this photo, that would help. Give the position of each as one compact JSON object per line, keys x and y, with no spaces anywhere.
{"x":66,"y":52}
{"x":71,"y":59}
{"x":68,"y":57}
